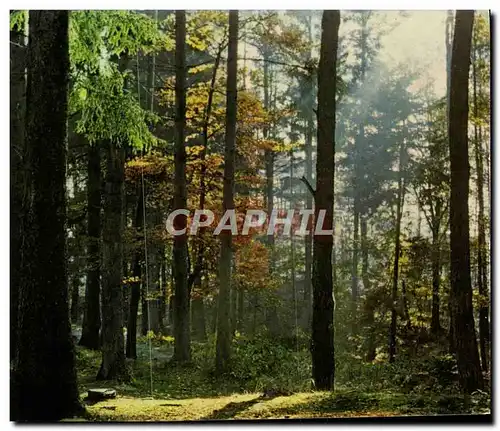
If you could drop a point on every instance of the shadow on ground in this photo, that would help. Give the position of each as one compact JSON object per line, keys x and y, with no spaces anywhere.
{"x":229,"y":411}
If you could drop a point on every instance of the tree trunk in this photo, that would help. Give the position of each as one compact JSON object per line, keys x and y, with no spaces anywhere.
{"x":135,"y":288}
{"x":370,"y":318}
{"x":448,"y":46}
{"x":322,"y":348}
{"x":307,"y":307}
{"x":397,"y":252}
{"x":92,"y":313}
{"x":163,"y":289}
{"x":436,"y":276}
{"x":182,"y":347}
{"x":113,"y":355}
{"x":223,"y":343}
{"x":18,"y":194}
{"x":461,"y":290}
{"x":482,"y":281}
{"x":45,"y":361}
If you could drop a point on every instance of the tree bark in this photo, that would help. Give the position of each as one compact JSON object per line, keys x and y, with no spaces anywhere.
{"x":44,"y":386}
{"x":92,"y":313}
{"x":322,"y":348}
{"x":113,"y":354}
{"x":223,"y":342}
{"x":470,"y":376}
{"x":18,"y":193}
{"x":182,"y":346}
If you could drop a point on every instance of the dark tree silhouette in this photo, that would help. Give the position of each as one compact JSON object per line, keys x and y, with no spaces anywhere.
{"x":323,"y":353}
{"x":461,"y":290}
{"x":44,"y":384}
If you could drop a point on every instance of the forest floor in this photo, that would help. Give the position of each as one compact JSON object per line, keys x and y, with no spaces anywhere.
{"x":191,"y":393}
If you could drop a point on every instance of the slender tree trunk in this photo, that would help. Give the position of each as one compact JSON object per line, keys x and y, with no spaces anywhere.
{"x":153,"y":246}
{"x":370,"y":309}
{"x":307,"y":307}
{"x":44,"y":386}
{"x":113,"y":354}
{"x":448,"y":46}
{"x":182,"y":347}
{"x":135,"y":288}
{"x":322,"y":348}
{"x":461,"y":290}
{"x":482,"y":282}
{"x":397,"y":252}
{"x":92,"y":311}
{"x":223,"y":344}
{"x":364,"y":252}
{"x":436,"y":276}
{"x":357,"y":187}
{"x":18,"y":192}
{"x":163,"y":289}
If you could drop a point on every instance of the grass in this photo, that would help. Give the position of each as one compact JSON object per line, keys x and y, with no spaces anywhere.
{"x":191,"y":393}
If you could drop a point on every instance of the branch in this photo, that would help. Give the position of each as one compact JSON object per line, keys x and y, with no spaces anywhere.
{"x":308,"y":185}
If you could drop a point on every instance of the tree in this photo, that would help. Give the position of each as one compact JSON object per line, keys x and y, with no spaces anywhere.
{"x":223,"y":319}
{"x":113,"y":356}
{"x":92,"y":311}
{"x":182,"y":348}
{"x":397,"y":251}
{"x":45,"y":361}
{"x":479,"y":66}
{"x":461,"y":290}
{"x":323,"y":353}
{"x":18,"y":195}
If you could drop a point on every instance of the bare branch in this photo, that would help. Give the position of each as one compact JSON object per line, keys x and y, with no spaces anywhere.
{"x":309,"y":187}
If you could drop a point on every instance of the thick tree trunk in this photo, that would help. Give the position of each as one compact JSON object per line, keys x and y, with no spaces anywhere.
{"x":223,"y":343}
{"x":461,"y":290}
{"x":113,"y":354}
{"x":18,"y":193}
{"x":44,"y":386}
{"x":92,"y":312}
{"x":322,"y":348}
{"x":182,"y":347}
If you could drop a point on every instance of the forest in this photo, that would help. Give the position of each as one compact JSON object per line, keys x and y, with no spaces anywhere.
{"x":250,"y":215}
